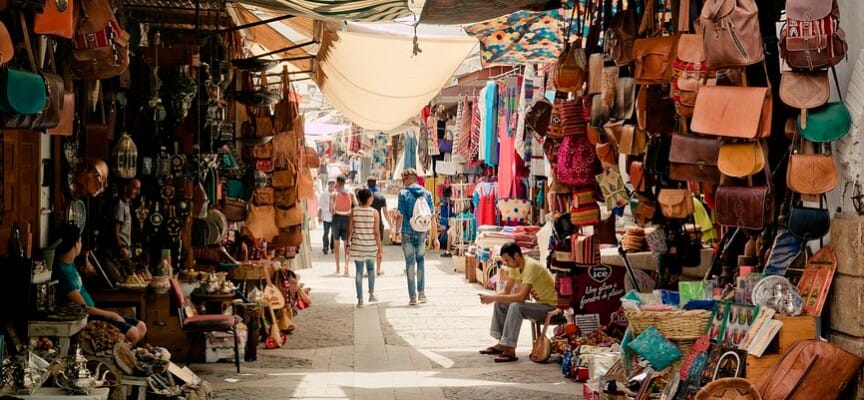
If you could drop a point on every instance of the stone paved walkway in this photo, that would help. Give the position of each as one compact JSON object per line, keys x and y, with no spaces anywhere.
{"x":389,"y":350}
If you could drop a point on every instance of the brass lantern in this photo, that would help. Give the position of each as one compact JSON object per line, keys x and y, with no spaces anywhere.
{"x":125,"y":157}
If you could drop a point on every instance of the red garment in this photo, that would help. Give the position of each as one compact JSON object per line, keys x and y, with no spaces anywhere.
{"x":486,"y":211}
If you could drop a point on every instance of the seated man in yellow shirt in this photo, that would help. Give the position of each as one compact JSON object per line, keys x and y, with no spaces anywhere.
{"x":511,"y":309}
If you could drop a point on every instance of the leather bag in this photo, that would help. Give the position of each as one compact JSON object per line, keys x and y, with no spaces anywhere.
{"x":827,"y":123}
{"x":637,"y":176}
{"x":732,"y":111}
{"x":812,"y":38}
{"x":810,"y":369}
{"x":568,"y":74}
{"x":808,"y":223}
{"x":285,"y":197}
{"x":811,"y":174}
{"x":654,"y":57}
{"x":689,"y":73}
{"x":66,"y":123}
{"x":747,"y":207}
{"x":263,"y":196}
{"x":730,"y":33}
{"x":288,"y":217}
{"x":577,"y":161}
{"x":740,"y":160}
{"x":655,"y":110}
{"x":261,"y":222}
{"x":542,"y":349}
{"x":21,"y":92}
{"x":284,"y":178}
{"x":263,"y":151}
{"x":311,"y":157}
{"x":305,"y":185}
{"x":675,"y":203}
{"x":645,"y":210}
{"x":694,"y":158}
{"x":621,"y":35}
{"x":57,"y":18}
{"x":101,"y":46}
{"x":538,"y":117}
{"x":804,"y":90}
{"x":632,"y":141}
{"x":7,"y":47}
{"x":234,"y":209}
{"x":625,"y":98}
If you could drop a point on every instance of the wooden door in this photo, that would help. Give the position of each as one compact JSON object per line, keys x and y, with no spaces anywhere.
{"x":21,"y":183}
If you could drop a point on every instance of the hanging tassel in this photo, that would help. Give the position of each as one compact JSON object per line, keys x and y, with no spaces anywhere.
{"x":417,"y":49}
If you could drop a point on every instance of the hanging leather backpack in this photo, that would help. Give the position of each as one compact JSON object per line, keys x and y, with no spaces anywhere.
{"x":730,"y":33}
{"x":101,"y":46}
{"x":812,"y":37}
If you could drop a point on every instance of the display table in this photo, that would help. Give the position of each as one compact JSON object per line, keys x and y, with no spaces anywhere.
{"x":215,"y":303}
{"x":63,"y":330}
{"x":122,"y":297}
{"x":646,"y":261}
{"x":53,"y":393}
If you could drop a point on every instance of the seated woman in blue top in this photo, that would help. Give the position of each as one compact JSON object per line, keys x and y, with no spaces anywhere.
{"x":71,"y":289}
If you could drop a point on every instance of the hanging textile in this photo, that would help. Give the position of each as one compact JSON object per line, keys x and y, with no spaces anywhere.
{"x":354,"y":10}
{"x":354,"y":140}
{"x":522,"y":37}
{"x":489,"y":123}
{"x":410,"y":155}
{"x":463,"y":135}
{"x":507,"y":139}
{"x":526,"y":99}
{"x":379,"y":153}
{"x":485,"y":200}
{"x":459,"y":12}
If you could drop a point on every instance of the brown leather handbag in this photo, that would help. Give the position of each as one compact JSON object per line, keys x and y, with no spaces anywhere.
{"x":263,"y":196}
{"x":284,"y":178}
{"x":732,"y":111}
{"x":285,"y":197}
{"x":655,"y":110}
{"x":621,"y":35}
{"x":261,"y":222}
{"x":654,"y":57}
{"x":811,"y":174}
{"x":288,"y":217}
{"x":637,"y":176}
{"x":56,"y":19}
{"x":632,"y":141}
{"x":741,"y":159}
{"x":263,"y":151}
{"x":694,"y":158}
{"x":67,"y":116}
{"x":730,"y":33}
{"x":568,"y":74}
{"x":101,"y":46}
{"x":311,"y":156}
{"x":810,"y":369}
{"x":234,"y":209}
{"x":7,"y":48}
{"x":606,"y":154}
{"x":804,"y":90}
{"x":747,"y":207}
{"x":675,"y":203}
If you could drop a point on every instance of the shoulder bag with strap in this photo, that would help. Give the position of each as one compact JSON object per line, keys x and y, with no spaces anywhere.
{"x":812,"y":37}
{"x":730,"y":33}
{"x":101,"y":46}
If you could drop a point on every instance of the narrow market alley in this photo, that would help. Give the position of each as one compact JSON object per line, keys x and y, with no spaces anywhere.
{"x":389,"y":350}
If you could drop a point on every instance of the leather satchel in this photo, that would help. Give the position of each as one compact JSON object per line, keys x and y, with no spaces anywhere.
{"x":694,"y":158}
{"x":810,"y":369}
{"x":811,"y":174}
{"x":675,"y":203}
{"x":654,"y":57}
{"x":637,"y":176}
{"x":261,"y":222}
{"x":804,"y":90}
{"x":285,"y":197}
{"x":621,"y":35}
{"x":67,"y":116}
{"x":740,"y":160}
{"x":732,"y":111}
{"x":234,"y":209}
{"x":808,"y":223}
{"x":289,"y":217}
{"x":730,"y":33}
{"x":747,"y":207}
{"x":812,"y":38}
{"x":632,"y":141}
{"x":264,"y":151}
{"x":655,"y":110}
{"x":569,"y":72}
{"x":7,"y":47}
{"x":827,"y":123}
{"x":645,"y":210}
{"x":56,"y":19}
{"x":263,"y":196}
{"x":101,"y":46}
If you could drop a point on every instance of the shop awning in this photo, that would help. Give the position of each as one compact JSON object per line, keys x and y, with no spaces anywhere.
{"x":457,"y":12}
{"x":376,"y":81}
{"x":522,"y":37}
{"x":288,"y":33}
{"x":351,"y":10}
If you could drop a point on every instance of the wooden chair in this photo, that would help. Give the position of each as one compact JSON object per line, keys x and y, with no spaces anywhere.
{"x":190,"y":322}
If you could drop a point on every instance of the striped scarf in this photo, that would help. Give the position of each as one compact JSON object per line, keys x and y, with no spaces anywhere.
{"x":474,"y":146}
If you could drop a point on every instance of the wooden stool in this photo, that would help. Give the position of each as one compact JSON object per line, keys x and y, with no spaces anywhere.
{"x":128,"y":382}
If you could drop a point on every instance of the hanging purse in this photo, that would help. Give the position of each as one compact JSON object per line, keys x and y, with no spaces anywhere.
{"x":261,"y":221}
{"x":732,"y":111}
{"x":740,"y":160}
{"x":305,"y":184}
{"x":804,"y":90}
{"x":56,"y":19}
{"x":263,"y":151}
{"x":285,"y":197}
{"x":827,"y":123}
{"x":811,"y":174}
{"x":263,"y":196}
{"x":655,"y":110}
{"x":654,"y":57}
{"x":613,"y":189}
{"x":584,"y":250}
{"x":645,"y":210}
{"x":633,"y":141}
{"x":234,"y":209}
{"x":808,"y":223}
{"x":694,"y":158}
{"x":569,"y":72}
{"x":675,"y":203}
{"x":284,"y":178}
{"x":289,"y":217}
{"x":748,"y":207}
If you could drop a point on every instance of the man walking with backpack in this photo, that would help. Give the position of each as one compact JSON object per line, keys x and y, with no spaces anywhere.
{"x":416,"y":222}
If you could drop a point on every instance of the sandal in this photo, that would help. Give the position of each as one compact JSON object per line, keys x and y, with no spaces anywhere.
{"x":380,"y":273}
{"x":491,"y":350}
{"x":506,"y":358}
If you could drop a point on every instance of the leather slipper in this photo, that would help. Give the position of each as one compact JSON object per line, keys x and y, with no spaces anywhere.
{"x":506,"y":358}
{"x":491,"y":350}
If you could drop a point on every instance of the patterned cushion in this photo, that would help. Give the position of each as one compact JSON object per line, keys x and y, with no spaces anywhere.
{"x":208,"y":322}
{"x":514,"y":211}
{"x":652,"y":346}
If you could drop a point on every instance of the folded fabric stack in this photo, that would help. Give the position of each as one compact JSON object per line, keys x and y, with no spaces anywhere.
{"x":634,"y":239}
{"x":524,"y":236}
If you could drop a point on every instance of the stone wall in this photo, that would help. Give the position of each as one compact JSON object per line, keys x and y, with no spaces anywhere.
{"x":846,"y":300}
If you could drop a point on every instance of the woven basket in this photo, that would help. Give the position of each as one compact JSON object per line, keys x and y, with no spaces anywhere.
{"x":673,"y":325}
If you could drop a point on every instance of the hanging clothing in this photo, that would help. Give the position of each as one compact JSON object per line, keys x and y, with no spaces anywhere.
{"x":410,"y":155}
{"x":474,"y":148}
{"x":489,"y":130}
{"x":485,"y":199}
{"x":526,"y":99}
{"x":507,"y":140}
{"x":379,"y":154}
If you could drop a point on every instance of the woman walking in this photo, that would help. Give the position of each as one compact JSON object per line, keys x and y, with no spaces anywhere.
{"x":364,"y":240}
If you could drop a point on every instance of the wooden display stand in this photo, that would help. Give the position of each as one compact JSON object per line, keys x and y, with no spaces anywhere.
{"x":471,"y":268}
{"x":794,"y":330}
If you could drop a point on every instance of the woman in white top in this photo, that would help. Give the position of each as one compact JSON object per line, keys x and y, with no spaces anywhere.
{"x":364,"y":240}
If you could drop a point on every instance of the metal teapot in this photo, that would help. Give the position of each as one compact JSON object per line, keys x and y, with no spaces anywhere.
{"x":211,"y":284}
{"x":76,"y":378}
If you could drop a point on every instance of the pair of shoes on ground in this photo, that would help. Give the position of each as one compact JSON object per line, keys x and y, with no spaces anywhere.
{"x":501,"y":357}
{"x":372,"y":300}
{"x":446,"y":254}
{"x":420,"y":298}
